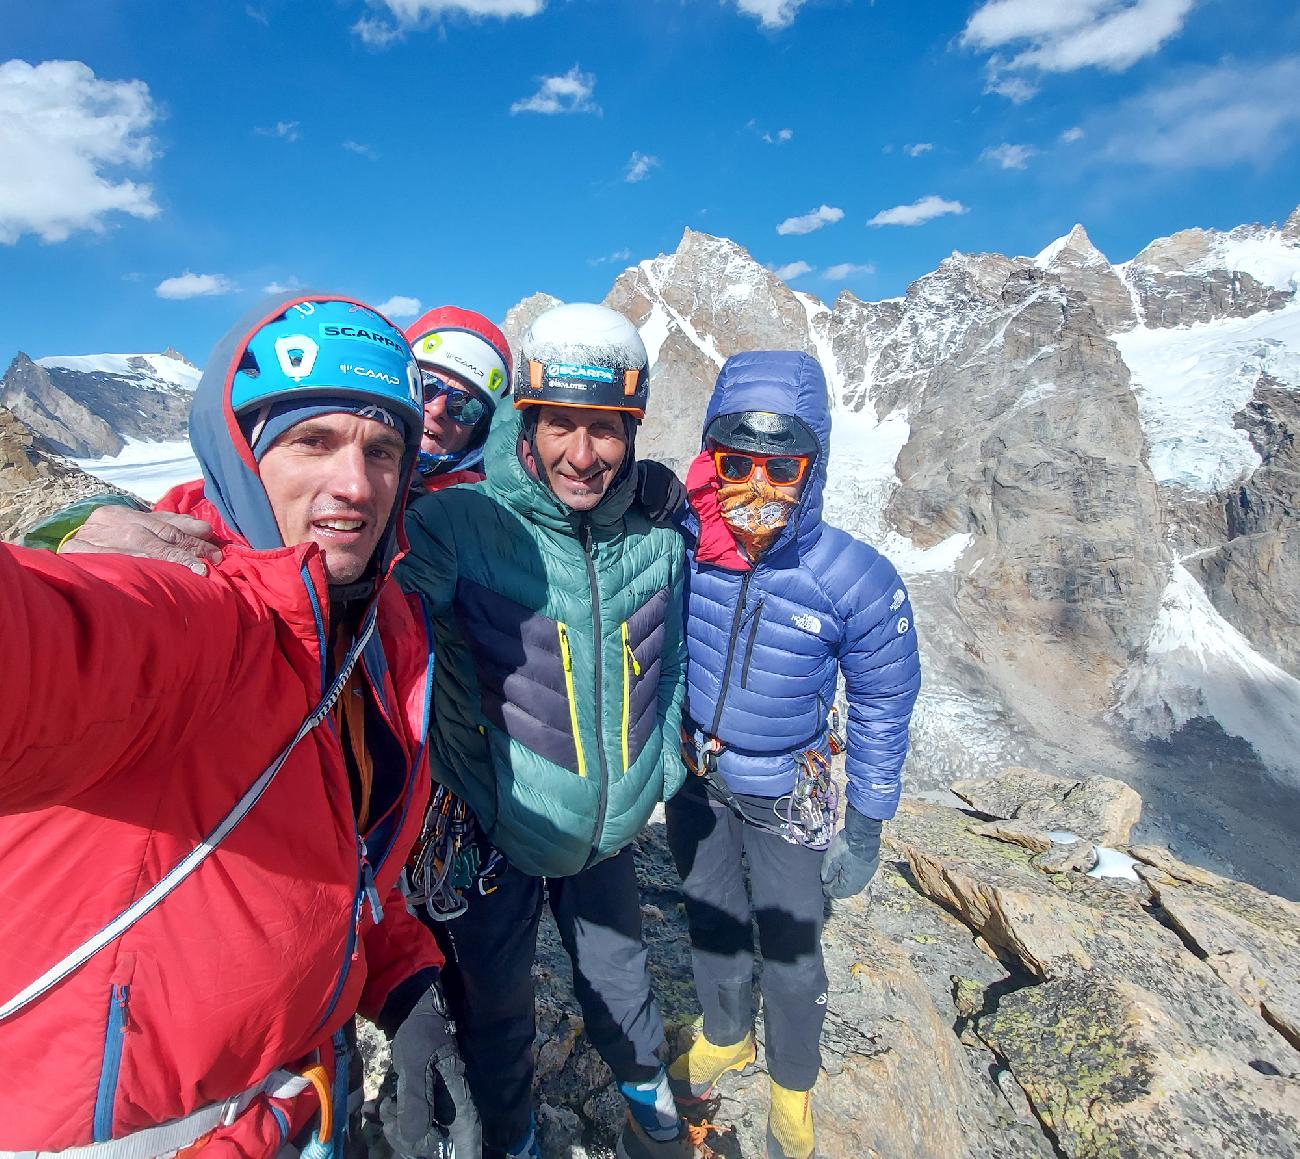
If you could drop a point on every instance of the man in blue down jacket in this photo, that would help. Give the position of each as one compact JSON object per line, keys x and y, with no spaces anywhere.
{"x":779,"y":604}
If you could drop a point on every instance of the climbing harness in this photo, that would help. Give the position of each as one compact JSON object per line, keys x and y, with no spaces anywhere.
{"x":448,"y":860}
{"x":804,"y":816}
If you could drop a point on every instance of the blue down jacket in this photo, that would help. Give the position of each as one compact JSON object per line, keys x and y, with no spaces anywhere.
{"x":765,"y":645}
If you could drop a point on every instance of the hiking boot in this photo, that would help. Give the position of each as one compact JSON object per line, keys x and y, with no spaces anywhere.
{"x":693,"y":1074}
{"x":790,"y":1125}
{"x":634,"y":1143}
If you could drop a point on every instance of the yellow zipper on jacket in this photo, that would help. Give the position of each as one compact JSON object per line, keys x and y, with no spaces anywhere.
{"x":631,"y":666}
{"x":563,"y":630}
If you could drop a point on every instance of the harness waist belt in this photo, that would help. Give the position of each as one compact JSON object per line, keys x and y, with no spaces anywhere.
{"x":168,"y":1138}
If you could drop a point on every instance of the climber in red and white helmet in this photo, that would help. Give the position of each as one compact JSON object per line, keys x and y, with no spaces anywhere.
{"x":465,"y":364}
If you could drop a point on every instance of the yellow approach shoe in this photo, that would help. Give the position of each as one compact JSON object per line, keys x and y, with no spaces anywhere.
{"x":692,"y":1075}
{"x":790,"y":1125}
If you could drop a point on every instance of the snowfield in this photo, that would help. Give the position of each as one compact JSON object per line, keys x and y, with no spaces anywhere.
{"x":1196,"y":664}
{"x":1190,"y":381}
{"x":149,"y":470}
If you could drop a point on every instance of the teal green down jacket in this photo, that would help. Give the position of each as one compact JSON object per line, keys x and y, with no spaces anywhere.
{"x":559,"y":673}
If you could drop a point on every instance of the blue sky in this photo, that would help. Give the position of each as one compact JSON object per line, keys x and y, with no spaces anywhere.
{"x":184,"y":156}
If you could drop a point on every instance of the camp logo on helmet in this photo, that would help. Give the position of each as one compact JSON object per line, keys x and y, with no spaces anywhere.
{"x":296,"y":354}
{"x":583,"y":373}
{"x":332,"y":331}
{"x":366,"y":372}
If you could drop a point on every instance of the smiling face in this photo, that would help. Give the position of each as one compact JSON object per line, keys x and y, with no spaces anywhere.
{"x":580,"y":449}
{"x":332,"y":480}
{"x":443,"y":435}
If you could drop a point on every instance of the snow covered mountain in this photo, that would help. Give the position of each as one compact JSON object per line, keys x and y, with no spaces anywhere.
{"x":1087,"y":472}
{"x":89,"y":406}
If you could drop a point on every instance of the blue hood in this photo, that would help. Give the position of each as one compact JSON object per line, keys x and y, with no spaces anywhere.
{"x":787,"y":382}
{"x":230,"y":477}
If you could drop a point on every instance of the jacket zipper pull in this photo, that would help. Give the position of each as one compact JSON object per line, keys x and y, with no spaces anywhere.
{"x":371,"y":890}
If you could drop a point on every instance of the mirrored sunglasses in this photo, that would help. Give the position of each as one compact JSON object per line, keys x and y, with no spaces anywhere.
{"x":739,"y":466}
{"x":463,"y":406}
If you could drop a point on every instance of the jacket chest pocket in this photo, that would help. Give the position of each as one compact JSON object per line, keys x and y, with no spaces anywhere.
{"x":524,"y":665}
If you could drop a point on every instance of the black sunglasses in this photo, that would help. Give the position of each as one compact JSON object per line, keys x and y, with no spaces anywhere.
{"x":463,"y":406}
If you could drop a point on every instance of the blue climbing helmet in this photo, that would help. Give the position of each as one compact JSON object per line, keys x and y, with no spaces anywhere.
{"x":332,"y":348}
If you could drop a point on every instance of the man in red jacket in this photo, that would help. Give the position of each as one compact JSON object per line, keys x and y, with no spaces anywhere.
{"x":208,"y":786}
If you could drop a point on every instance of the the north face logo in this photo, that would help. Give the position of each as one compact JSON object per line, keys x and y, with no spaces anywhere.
{"x":807,"y":621}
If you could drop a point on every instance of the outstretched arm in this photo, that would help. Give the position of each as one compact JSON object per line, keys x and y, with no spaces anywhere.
{"x":101,"y":660}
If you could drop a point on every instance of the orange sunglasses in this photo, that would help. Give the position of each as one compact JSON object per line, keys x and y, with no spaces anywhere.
{"x":739,"y":466}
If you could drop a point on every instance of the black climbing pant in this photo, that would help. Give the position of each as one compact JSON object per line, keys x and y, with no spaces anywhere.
{"x":489,"y":984}
{"x":707,"y":840}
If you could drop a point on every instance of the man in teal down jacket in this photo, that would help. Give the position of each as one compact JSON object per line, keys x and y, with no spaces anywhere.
{"x":557,"y":617}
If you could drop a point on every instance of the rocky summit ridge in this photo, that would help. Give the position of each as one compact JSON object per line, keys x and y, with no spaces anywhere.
{"x":1021,"y":982}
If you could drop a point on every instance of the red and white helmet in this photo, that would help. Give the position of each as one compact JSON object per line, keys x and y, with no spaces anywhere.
{"x":466,"y":344}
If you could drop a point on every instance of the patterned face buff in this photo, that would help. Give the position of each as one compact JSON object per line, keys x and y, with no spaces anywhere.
{"x":755,"y":511}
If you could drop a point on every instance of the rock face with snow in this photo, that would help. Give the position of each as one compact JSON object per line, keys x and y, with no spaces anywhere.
{"x":34,"y":481}
{"x":1253,"y":576}
{"x":87,"y":406}
{"x":1083,"y":268}
{"x":1197,"y":275}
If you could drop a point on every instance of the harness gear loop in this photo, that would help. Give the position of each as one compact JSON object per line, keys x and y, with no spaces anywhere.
{"x":448,"y":859}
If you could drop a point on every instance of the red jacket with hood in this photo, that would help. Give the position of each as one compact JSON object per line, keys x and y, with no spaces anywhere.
{"x":138,"y":702}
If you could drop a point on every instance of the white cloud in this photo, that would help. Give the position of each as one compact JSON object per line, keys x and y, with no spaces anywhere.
{"x":780,"y":137}
{"x":258,"y":15}
{"x":1065,"y":35}
{"x":918,"y":149}
{"x":617,"y":256}
{"x":771,"y":13}
{"x":791,"y":270}
{"x":285,"y":130}
{"x":846,"y":270}
{"x":1224,"y":115}
{"x":399,"y":306}
{"x":278,"y":287}
{"x":1015,"y":88}
{"x":1073,"y":134}
{"x":63,"y":133}
{"x":188,"y":285}
{"x":918,"y":213}
{"x":1009,"y":156}
{"x":810,"y":222}
{"x":403,"y":16}
{"x":361,"y":150}
{"x":569,"y":93}
{"x":639,"y":166}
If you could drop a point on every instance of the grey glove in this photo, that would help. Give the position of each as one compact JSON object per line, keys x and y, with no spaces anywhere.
{"x":850,"y":862}
{"x":433,"y":1104}
{"x":658,"y":491}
